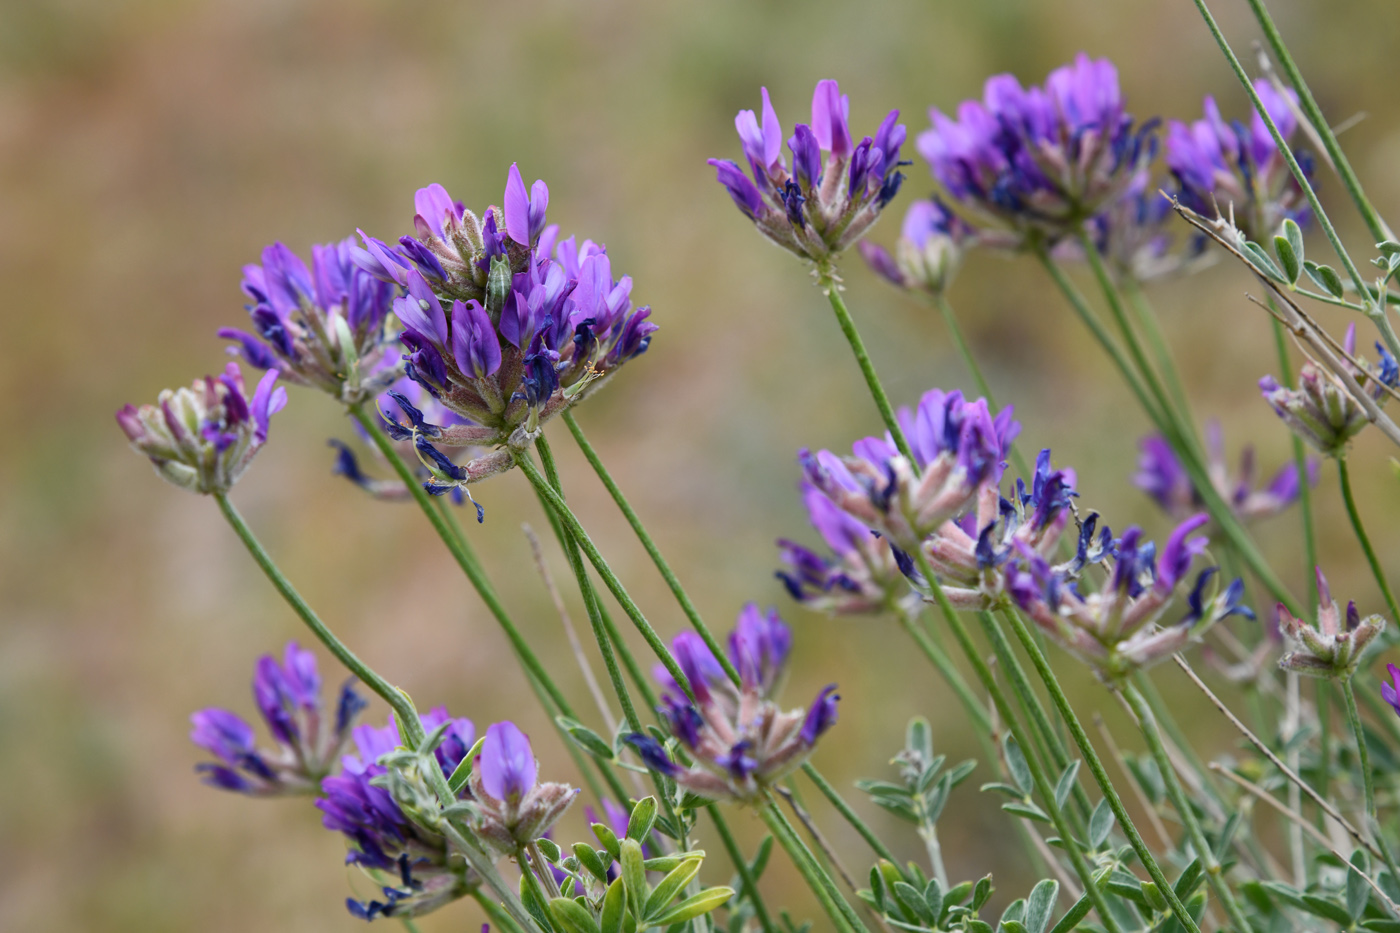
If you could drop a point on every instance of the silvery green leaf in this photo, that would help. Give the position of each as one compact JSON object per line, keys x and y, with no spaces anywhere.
{"x":668,"y":887}
{"x":643,"y":817}
{"x":1325,"y":277}
{"x":1040,"y":905}
{"x":692,"y":907}
{"x":572,"y":917}
{"x":1016,"y":764}
{"x":1288,"y":259}
{"x":1100,"y":824}
{"x":1358,"y":891}
{"x":1261,"y":261}
{"x":1066,"y":783}
{"x":585,"y":738}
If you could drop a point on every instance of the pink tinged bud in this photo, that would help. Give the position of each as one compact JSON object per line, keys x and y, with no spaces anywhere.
{"x":881,"y":262}
{"x":130,"y":422}
{"x":507,"y":763}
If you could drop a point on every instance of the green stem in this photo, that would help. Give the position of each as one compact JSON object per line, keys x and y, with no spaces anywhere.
{"x":1147,"y":724}
{"x":1375,"y":309}
{"x":1008,"y":717}
{"x":532,"y":884}
{"x":1099,"y":772}
{"x":1161,"y":350}
{"x":496,"y":914}
{"x":741,"y":865}
{"x":1162,"y":711}
{"x":1308,"y":104}
{"x":850,"y":815}
{"x":397,"y":699}
{"x":1344,"y":476}
{"x":469,"y":566}
{"x":1363,"y":755}
{"x":843,"y":917}
{"x":944,"y":665}
{"x":652,"y":550}
{"x":827,"y":281}
{"x":1300,"y":462}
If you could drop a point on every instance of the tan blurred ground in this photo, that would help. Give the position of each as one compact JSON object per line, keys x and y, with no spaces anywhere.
{"x":148,"y":149}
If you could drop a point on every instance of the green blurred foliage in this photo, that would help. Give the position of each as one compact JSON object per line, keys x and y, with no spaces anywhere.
{"x":148,"y":149}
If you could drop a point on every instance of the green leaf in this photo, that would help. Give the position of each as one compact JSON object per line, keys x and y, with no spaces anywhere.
{"x":959,"y":772}
{"x":670,"y":886}
{"x":982,"y":892}
{"x":607,"y":839}
{"x":463,"y":771}
{"x":1288,"y":258}
{"x":585,"y":738}
{"x":549,"y":849}
{"x":978,"y":926}
{"x":933,"y":898}
{"x":1066,"y":783}
{"x":1381,"y":926}
{"x":1016,"y":764}
{"x":1155,"y":898}
{"x":634,"y":877}
{"x":877,"y":886}
{"x":695,"y":905}
{"x":1358,"y":891}
{"x":1294,"y":233}
{"x":1013,"y":926}
{"x":1070,"y":920}
{"x":918,"y":737}
{"x":1009,"y":790}
{"x":588,"y":857}
{"x":1325,"y":277}
{"x":1327,"y":909}
{"x":1286,"y":894}
{"x":958,"y":893}
{"x":572,"y":917}
{"x":1261,"y":261}
{"x":1100,"y":824}
{"x":1029,"y":810}
{"x":614,"y":908}
{"x":1016,"y":910}
{"x":1040,"y":905}
{"x":643,"y":817}
{"x":1389,"y":247}
{"x":912,"y":900}
{"x":1190,"y":877}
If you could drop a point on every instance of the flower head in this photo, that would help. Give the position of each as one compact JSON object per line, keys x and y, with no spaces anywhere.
{"x":1234,"y":164}
{"x":1334,"y":646}
{"x":324,"y":326}
{"x":513,"y":809}
{"x":1042,"y":159}
{"x":1137,"y":234}
{"x":957,"y":448}
{"x":738,"y":740}
{"x":505,"y":325}
{"x":1161,"y":475}
{"x":360,"y":803}
{"x":929,"y":250}
{"x":203,"y":437}
{"x":1320,"y":410}
{"x":1391,"y":692}
{"x":307,"y":740}
{"x":834,"y":190}
{"x":1116,"y":629}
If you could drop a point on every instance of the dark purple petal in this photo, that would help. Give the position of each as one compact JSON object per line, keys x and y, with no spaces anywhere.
{"x":821,"y":715}
{"x":507,"y":764}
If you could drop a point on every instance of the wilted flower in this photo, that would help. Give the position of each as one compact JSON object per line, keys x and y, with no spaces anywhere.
{"x":1231,"y":165}
{"x":1039,"y":160}
{"x":957,"y":447}
{"x":359,"y":802}
{"x":861,"y":575}
{"x":512,"y":808}
{"x":202,"y":438}
{"x":499,"y":332}
{"x":1332,"y":648}
{"x":1161,"y":475}
{"x":1320,"y":410}
{"x":738,"y":739}
{"x":836,"y":187}
{"x":929,"y":250}
{"x":1115,"y":630}
{"x":308,"y":743}
{"x":323,"y":327}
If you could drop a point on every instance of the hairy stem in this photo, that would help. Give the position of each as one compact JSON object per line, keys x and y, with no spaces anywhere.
{"x":1344,"y":478}
{"x":749,"y":889}
{"x":1362,"y":754}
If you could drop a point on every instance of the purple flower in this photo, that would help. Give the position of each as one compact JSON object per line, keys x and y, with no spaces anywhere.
{"x":513,"y":808}
{"x":1161,"y":475}
{"x":288,"y":696}
{"x":524,"y":213}
{"x":837,"y":187}
{"x":759,"y":646}
{"x":929,"y":250}
{"x":507,"y":763}
{"x":1391,"y":692}
{"x":821,"y":715}
{"x":1237,"y":168}
{"x":203,"y":437}
{"x":1332,"y":648}
{"x":1040,"y":160}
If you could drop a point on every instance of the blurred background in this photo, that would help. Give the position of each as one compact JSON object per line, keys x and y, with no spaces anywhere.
{"x":150,"y":148}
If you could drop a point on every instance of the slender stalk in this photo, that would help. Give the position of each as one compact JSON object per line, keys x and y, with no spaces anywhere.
{"x":1099,"y":772}
{"x":842,"y":915}
{"x":1308,"y":103}
{"x":850,"y":815}
{"x":1003,"y":708}
{"x":828,"y":282}
{"x":1300,"y":462}
{"x":465,"y":560}
{"x":1344,"y":477}
{"x":749,"y":889}
{"x":532,"y":884}
{"x":1375,"y":310}
{"x":397,"y":699}
{"x":1157,"y":342}
{"x":1147,"y":723}
{"x":667,"y":574}
{"x":944,"y":665}
{"x":496,"y":914}
{"x":1362,"y":754}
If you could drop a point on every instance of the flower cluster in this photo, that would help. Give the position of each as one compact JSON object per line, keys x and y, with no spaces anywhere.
{"x":1333,"y":648}
{"x":739,"y":740}
{"x":1040,"y":161}
{"x":1133,"y":234}
{"x":504,"y":324}
{"x":836,"y":187}
{"x":929,"y":250}
{"x":288,"y":696}
{"x":1321,"y":410}
{"x":1219,"y":164}
{"x":323,"y":327}
{"x":203,"y":437}
{"x":1161,"y":475}
{"x":1115,"y":630}
{"x":957,"y":448}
